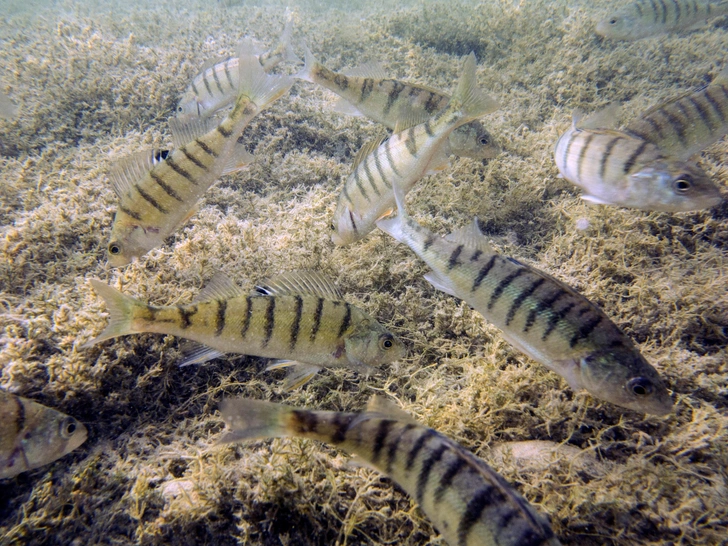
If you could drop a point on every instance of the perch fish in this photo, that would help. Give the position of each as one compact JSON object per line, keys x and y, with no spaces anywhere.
{"x":685,"y":125}
{"x":156,"y":197}
{"x":616,"y":168}
{"x":467,"y":501}
{"x":403,"y":158}
{"x":300,"y":318}
{"x":645,"y":18}
{"x":539,"y":315}
{"x":33,"y":435}
{"x":396,"y":104}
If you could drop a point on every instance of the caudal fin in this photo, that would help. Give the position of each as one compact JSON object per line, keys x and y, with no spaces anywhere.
{"x":468,"y":98}
{"x":121,"y":312}
{"x":248,"y":419}
{"x":309,"y":63}
{"x":262,"y":89}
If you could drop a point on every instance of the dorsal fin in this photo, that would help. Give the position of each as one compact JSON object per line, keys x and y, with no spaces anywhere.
{"x":184,"y":132}
{"x":471,"y":237}
{"x":300,"y":283}
{"x":129,"y":170}
{"x":367,"y":149}
{"x":410,"y":120}
{"x":385,"y":406}
{"x":219,"y":287}
{"x":606,"y":118}
{"x":373,"y":69}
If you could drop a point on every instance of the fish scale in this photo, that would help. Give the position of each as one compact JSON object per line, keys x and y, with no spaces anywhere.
{"x":467,"y":501}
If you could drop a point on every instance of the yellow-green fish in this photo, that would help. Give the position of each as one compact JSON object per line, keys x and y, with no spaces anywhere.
{"x":467,"y":501}
{"x":156,"y":197}
{"x":616,"y":168}
{"x":217,"y":85}
{"x":689,"y":123}
{"x":403,"y":158}
{"x":397,"y":104}
{"x":544,"y":318}
{"x":645,"y":18}
{"x":300,"y":318}
{"x":33,"y":435}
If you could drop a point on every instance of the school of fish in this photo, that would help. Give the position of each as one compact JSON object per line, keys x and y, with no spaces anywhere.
{"x":301,"y":321}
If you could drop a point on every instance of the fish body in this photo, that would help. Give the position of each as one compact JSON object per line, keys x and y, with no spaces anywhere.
{"x":539,"y":315}
{"x":299,"y":318}
{"x":644,"y":18}
{"x":33,"y":435}
{"x":687,"y":124}
{"x":403,"y":158}
{"x":467,"y":501}
{"x":157,"y":196}
{"x":616,"y":168}
{"x":394,"y":103}
{"x":217,"y":85}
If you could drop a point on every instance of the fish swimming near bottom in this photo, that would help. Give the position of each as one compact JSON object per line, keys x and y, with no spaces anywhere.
{"x":33,"y":435}
{"x":467,"y":501}
{"x":300,"y":318}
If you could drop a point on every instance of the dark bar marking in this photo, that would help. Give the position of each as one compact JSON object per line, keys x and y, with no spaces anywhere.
{"x":129,"y":212}
{"x":631,"y":160}
{"x":220,"y":319}
{"x":475,"y":508}
{"x":606,"y":155}
{"x":196,"y":162}
{"x":185,"y":316}
{"x":166,"y":187}
{"x":453,"y":261}
{"x":247,"y":317}
{"x":205,"y":148}
{"x":149,"y":199}
{"x":417,"y":447}
{"x":503,"y":285}
{"x":585,"y":330}
{"x":483,"y":273}
{"x":555,"y":319}
{"x":270,"y":320}
{"x":385,"y":425}
{"x":392,"y":449}
{"x":317,"y":319}
{"x":296,"y":322}
{"x":516,"y":305}
{"x":424,"y":476}
{"x":447,"y":478}
{"x":346,"y":322}
{"x":180,"y":171}
{"x":543,"y":306}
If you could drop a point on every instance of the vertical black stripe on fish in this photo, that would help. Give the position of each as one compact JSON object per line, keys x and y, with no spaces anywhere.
{"x":205,"y":148}
{"x":390,"y":159}
{"x":453,"y":469}
{"x":586,"y":329}
{"x":397,"y":88}
{"x":453,"y":260}
{"x":248,"y":315}
{"x":179,"y":170}
{"x":129,"y":212}
{"x":341,"y":81}
{"x":606,"y":155}
{"x":632,"y":159}
{"x":195,"y":91}
{"x":715,"y":103}
{"x":473,"y":511}
{"x":149,"y":199}
{"x":217,"y":81}
{"x":516,"y":305}
{"x":567,"y":149}
{"x":433,"y":103}
{"x":345,"y":322}
{"x":411,"y":142}
{"x":555,"y":318}
{"x":582,"y":155}
{"x":476,"y":255}
{"x":678,"y":11}
{"x":296,"y":325}
{"x":429,"y":241}
{"x":270,"y":320}
{"x":370,"y":177}
{"x":317,"y":319}
{"x":165,"y":187}
{"x":424,"y":475}
{"x":340,"y":422}
{"x":346,"y":194}
{"x":305,"y":422}
{"x":483,"y":273}
{"x":655,"y":127}
{"x":357,"y":180}
{"x":20,"y":414}
{"x":380,"y":170}
{"x":702,"y":112}
{"x":417,"y":447}
{"x":192,"y":159}
{"x":392,"y":448}
{"x":207,"y":84}
{"x":220,"y":318}
{"x":351,"y":220}
{"x":224,"y":131}
{"x":428,"y":128}
{"x":542,"y":306}
{"x":185,"y":315}
{"x":664,"y":11}
{"x":366,"y":89}
{"x":638,"y":5}
{"x":226,"y":68}
{"x":676,"y":123}
{"x":654,"y":11}
{"x":505,"y":283}
{"x":383,"y":429}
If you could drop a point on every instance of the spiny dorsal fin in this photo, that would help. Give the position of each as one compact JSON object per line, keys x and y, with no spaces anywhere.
{"x":606,"y":118}
{"x":184,"y":132}
{"x":367,"y":149}
{"x":385,"y":406}
{"x":410,"y":120}
{"x":471,"y":237}
{"x":373,"y":69}
{"x":220,"y":287}
{"x":300,"y":283}
{"x":129,"y":170}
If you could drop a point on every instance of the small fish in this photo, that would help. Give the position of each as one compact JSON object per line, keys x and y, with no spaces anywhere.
{"x":7,"y":109}
{"x":157,"y":195}
{"x":467,"y":501}
{"x":217,"y":85}
{"x":685,"y":125}
{"x":403,"y":158}
{"x":544,"y":318}
{"x":616,"y":168}
{"x":645,"y":18}
{"x":300,"y":318}
{"x":33,"y":435}
{"x":397,"y":104}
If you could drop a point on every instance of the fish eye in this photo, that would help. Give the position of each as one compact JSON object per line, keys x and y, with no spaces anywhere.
{"x":179,"y":108}
{"x":612,"y":21}
{"x":484,"y":141}
{"x":683,"y":183}
{"x":332,"y":226}
{"x":68,"y":427}
{"x":386,"y":342}
{"x":640,"y":386}
{"x":114,"y":249}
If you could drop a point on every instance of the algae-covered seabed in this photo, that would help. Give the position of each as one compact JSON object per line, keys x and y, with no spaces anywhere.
{"x":94,"y":83}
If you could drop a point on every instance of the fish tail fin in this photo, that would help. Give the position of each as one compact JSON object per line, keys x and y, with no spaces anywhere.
{"x":121,"y":312}
{"x":249,"y":419}
{"x":394,"y":225}
{"x":285,"y":40}
{"x":255,"y":84}
{"x":468,"y":97}
{"x":309,"y":62}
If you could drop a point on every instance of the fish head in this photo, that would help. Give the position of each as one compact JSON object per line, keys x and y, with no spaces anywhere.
{"x":189,"y":107}
{"x":623,"y":377}
{"x":671,"y":185}
{"x":473,"y":140}
{"x":623,"y":25}
{"x":54,"y":434}
{"x":344,"y":225}
{"x":129,"y":241}
{"x":371,"y":345}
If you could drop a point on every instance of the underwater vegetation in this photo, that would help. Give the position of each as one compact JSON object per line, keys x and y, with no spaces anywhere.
{"x":93,"y":83}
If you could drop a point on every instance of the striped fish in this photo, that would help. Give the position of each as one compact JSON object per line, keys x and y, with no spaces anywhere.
{"x":616,"y":168}
{"x":33,"y":435}
{"x":687,"y":124}
{"x":645,"y":18}
{"x":300,"y":318}
{"x":217,"y":85}
{"x":397,"y":104}
{"x":467,"y":501}
{"x":549,"y":321}
{"x":157,"y":196}
{"x":403,"y":158}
